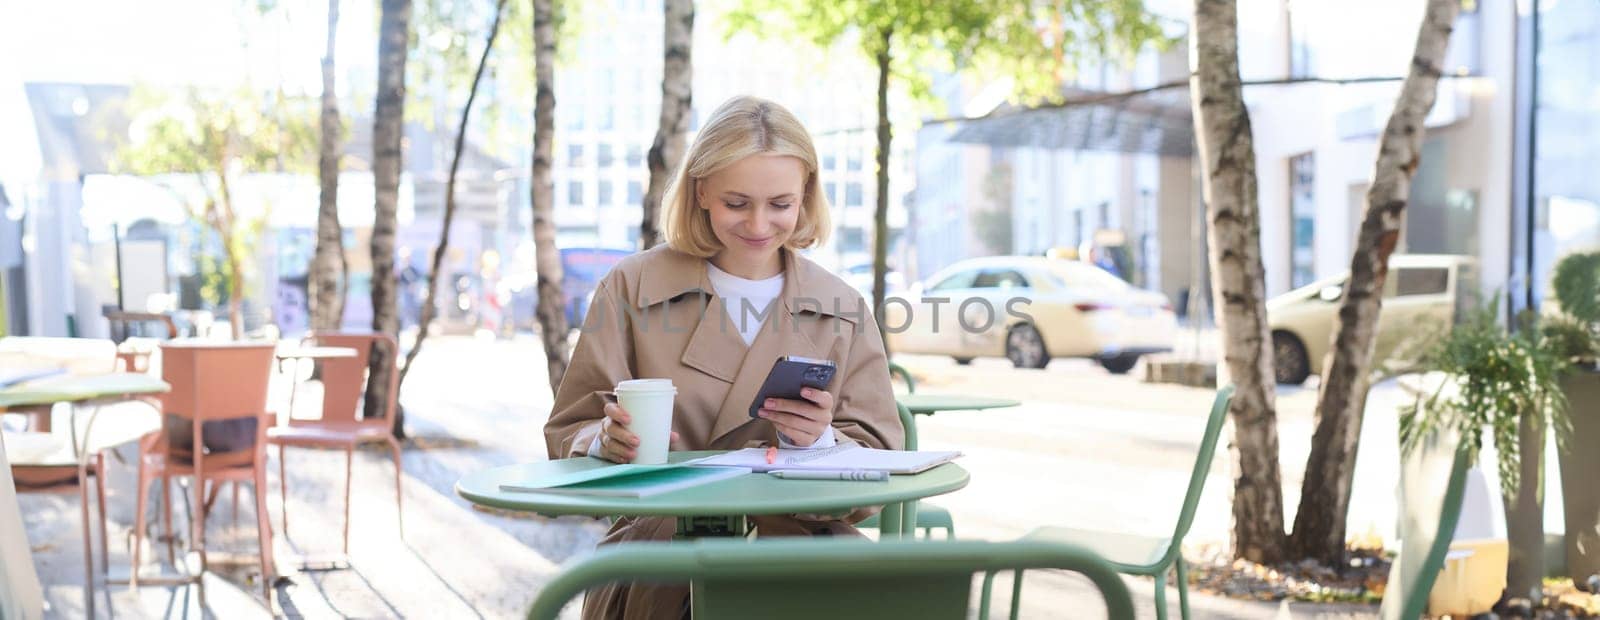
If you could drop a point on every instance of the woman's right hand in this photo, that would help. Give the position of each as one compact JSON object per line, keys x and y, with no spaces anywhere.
{"x":617,"y":443}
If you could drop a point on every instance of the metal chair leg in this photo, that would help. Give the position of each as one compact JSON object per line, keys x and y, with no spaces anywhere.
{"x":983,"y":600}
{"x":1016,"y":593}
{"x":1183,"y":589}
{"x":166,"y":520}
{"x":399,"y":472}
{"x":1161,"y":596}
{"x":100,"y":506}
{"x":349,"y":455}
{"x":283,"y":489}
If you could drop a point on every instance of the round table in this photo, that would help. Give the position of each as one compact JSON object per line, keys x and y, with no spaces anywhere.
{"x":716,"y":508}
{"x":929,"y":404}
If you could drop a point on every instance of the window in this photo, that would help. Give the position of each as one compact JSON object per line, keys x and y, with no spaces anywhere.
{"x":607,"y":117}
{"x":829,"y":162}
{"x":853,"y":162}
{"x":957,"y":280}
{"x":605,"y":193}
{"x":635,"y":193}
{"x":852,"y":194}
{"x":1421,"y":281}
{"x":575,"y":155}
{"x":830,"y":190}
{"x":635,"y":156}
{"x":1301,"y":60}
{"x":1302,"y":219}
{"x":575,"y":192}
{"x":852,"y":240}
{"x":603,"y":156}
{"x":1000,"y":278}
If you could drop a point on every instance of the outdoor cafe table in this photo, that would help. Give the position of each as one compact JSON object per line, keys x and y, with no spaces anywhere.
{"x":929,"y":404}
{"x":713,"y":509}
{"x":90,"y":390}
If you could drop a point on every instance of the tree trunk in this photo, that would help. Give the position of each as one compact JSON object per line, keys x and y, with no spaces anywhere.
{"x":551,"y":306}
{"x":1223,"y":133}
{"x":387,"y":131}
{"x":227,"y":229}
{"x":325,"y":286}
{"x":1319,"y":524}
{"x":1525,"y":510}
{"x":880,"y":212}
{"x":677,"y":89}
{"x":450,"y":197}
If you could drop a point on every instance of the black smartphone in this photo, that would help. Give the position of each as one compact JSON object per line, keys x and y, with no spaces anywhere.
{"x":789,"y":375}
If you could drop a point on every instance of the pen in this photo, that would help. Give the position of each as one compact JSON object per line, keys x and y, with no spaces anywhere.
{"x":772,"y":454}
{"x":852,"y":474}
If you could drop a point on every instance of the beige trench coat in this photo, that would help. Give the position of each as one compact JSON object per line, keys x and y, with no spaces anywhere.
{"x":656,"y":315}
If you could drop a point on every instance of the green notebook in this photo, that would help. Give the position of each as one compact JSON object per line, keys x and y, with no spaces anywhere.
{"x":627,"y":480}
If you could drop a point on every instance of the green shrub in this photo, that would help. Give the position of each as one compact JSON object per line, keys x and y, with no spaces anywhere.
{"x":1500,"y":376}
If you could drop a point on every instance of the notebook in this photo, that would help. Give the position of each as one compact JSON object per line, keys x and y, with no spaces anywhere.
{"x":627,"y":480}
{"x":10,"y":377}
{"x":840,"y":457}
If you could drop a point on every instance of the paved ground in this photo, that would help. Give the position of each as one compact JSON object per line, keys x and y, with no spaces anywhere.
{"x":1086,"y":450}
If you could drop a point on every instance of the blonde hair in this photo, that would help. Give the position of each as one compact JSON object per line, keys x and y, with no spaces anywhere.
{"x":741,"y":127}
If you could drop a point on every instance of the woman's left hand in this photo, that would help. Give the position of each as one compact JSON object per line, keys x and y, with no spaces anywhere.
{"x":801,"y":421}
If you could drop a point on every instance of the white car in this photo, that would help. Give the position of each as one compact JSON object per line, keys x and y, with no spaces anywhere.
{"x":1030,"y":310}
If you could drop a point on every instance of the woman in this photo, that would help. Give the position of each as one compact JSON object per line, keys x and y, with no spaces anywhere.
{"x":712,"y":309}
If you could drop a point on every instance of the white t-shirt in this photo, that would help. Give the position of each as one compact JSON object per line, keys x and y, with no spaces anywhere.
{"x":746,"y":300}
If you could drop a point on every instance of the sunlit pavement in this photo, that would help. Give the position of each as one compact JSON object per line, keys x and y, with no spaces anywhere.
{"x":1086,"y":449}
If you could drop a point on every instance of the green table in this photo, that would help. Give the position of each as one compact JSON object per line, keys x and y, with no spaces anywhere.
{"x":91,"y":390}
{"x":717,"y":508}
{"x":929,"y":404}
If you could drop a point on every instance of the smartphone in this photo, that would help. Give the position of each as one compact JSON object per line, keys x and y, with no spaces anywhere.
{"x":789,"y":375}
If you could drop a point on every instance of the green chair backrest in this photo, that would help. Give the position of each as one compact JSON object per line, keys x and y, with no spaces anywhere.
{"x":812,"y":578}
{"x":896,"y":369}
{"x":1424,"y":542}
{"x":910,"y":424}
{"x":1202,"y":467}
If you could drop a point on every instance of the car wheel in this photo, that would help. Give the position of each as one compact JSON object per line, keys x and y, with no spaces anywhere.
{"x":1025,"y":348}
{"x":1119,"y":364}
{"x":1290,"y":363}
{"x":962,"y":361}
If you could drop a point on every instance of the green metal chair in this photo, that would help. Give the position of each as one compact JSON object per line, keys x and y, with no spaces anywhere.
{"x":926,"y":517}
{"x":1430,"y":510}
{"x":898,"y":371}
{"x":1142,"y":555}
{"x":792,"y":579}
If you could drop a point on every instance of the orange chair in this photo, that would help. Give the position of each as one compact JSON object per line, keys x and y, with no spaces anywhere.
{"x":210,"y":382}
{"x":341,"y":426}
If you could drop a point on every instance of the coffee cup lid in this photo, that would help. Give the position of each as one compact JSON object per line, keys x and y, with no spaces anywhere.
{"x":646,"y":385}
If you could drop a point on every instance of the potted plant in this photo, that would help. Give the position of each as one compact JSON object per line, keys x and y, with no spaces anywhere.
{"x":1573,"y":333}
{"x":1509,"y":384}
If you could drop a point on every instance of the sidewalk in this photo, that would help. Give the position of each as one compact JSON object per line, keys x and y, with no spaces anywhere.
{"x":475,"y":404}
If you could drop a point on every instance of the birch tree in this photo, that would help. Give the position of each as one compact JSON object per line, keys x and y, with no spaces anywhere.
{"x":388,"y":131}
{"x":328,"y":273}
{"x":550,"y":309}
{"x":1222,"y":128}
{"x":677,"y":89}
{"x":1319,"y":524}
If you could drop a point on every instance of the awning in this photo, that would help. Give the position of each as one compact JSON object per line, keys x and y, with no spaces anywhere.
{"x":1156,"y":122}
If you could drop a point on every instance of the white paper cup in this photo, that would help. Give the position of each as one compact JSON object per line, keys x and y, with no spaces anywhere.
{"x":649,"y":403}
